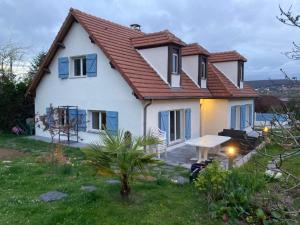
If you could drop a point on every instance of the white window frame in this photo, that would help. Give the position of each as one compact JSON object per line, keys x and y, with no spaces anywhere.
{"x":182,"y":125}
{"x":203,"y":75}
{"x":81,"y":66}
{"x":90,"y":112}
{"x":175,"y":59}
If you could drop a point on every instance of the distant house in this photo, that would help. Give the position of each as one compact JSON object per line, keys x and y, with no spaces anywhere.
{"x":122,"y":78}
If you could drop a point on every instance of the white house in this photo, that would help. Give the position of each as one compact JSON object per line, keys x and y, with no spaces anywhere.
{"x":121,"y":78}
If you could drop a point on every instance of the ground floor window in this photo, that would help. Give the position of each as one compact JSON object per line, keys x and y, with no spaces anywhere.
{"x":98,"y":120}
{"x":241,"y":116}
{"x":176,"y":125}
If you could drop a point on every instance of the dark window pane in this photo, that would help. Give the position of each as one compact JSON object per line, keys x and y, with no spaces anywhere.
{"x":84,"y":66}
{"x":172,"y":125}
{"x":103,"y":120}
{"x":175,"y":63}
{"x":77,"y":67}
{"x":95,"y":120}
{"x":178,"y":125}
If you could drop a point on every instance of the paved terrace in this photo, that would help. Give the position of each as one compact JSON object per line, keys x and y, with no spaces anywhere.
{"x":185,"y":155}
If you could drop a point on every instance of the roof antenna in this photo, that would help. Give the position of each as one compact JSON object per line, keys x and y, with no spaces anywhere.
{"x":135,"y":26}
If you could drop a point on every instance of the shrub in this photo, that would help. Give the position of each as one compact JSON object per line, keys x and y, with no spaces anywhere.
{"x":211,"y":181}
{"x":229,"y":193}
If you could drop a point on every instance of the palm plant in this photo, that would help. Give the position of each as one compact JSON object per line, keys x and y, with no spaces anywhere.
{"x":122,"y":155}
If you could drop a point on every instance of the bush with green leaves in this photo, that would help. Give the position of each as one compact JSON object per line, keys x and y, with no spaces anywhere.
{"x":211,"y":181}
{"x":229,"y":193}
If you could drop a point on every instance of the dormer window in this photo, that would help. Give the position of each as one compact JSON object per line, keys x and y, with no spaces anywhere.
{"x":240,"y":73}
{"x":202,"y":73}
{"x":203,"y":68}
{"x":174,"y":63}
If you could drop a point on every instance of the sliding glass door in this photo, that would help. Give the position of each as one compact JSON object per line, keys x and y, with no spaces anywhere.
{"x":176,"y":125}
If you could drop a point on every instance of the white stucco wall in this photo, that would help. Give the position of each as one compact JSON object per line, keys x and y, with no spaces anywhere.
{"x":108,"y":91}
{"x":230,"y":70}
{"x":190,"y":65}
{"x":216,"y":114}
{"x":167,"y":105}
{"x":157,"y":58}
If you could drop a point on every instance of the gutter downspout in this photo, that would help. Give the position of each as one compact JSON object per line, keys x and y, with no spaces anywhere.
{"x":145,"y":116}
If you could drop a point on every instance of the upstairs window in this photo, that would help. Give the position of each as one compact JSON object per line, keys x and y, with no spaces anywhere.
{"x":174,"y":63}
{"x":79,"y":66}
{"x":203,"y":69}
{"x":240,"y":73}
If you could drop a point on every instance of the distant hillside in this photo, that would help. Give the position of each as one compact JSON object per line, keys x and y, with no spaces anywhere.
{"x":283,"y":89}
{"x":257,"y":84}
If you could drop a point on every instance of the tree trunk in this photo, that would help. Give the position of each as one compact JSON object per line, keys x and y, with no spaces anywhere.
{"x":125,"y":188}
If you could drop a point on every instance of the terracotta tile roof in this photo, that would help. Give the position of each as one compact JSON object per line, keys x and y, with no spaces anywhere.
{"x":118,"y":44}
{"x":226,"y":56}
{"x":221,"y":87}
{"x":156,"y":39}
{"x":194,"y":49}
{"x":115,"y":42}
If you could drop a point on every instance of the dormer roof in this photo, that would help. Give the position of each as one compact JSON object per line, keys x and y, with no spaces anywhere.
{"x":226,"y":57}
{"x":194,"y":49}
{"x":156,"y":39}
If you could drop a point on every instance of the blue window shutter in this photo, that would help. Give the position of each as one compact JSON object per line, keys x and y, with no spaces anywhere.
{"x":233,"y":117}
{"x":112,"y":122}
{"x":91,"y":65}
{"x":81,"y":120}
{"x":188,"y":132}
{"x":243,"y":117}
{"x":73,"y":117}
{"x":63,"y":67}
{"x":251,"y":114}
{"x":164,"y":122}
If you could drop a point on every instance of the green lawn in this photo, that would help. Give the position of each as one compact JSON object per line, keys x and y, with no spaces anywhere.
{"x":158,"y":202}
{"x":24,"y":179}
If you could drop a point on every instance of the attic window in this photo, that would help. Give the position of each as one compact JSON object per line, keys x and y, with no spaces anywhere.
{"x":240,"y":73}
{"x":203,"y":66}
{"x":175,"y":63}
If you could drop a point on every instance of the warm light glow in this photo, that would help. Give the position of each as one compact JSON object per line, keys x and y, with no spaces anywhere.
{"x":231,"y":151}
{"x":266,"y":129}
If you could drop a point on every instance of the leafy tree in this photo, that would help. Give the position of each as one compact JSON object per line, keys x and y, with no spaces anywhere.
{"x":14,"y":107}
{"x":34,"y":66}
{"x":123,"y":156}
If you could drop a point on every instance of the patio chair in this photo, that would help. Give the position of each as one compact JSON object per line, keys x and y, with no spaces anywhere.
{"x":162,"y":136}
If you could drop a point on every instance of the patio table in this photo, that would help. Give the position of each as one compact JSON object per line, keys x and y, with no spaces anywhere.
{"x":205,"y":143}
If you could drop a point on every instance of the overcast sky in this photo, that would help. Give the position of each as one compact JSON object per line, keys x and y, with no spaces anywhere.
{"x":248,"y":26}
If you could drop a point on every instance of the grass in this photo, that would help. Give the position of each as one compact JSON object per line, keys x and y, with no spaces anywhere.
{"x":24,"y":179}
{"x":152,"y":202}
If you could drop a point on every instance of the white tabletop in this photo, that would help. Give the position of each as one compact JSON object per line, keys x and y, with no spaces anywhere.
{"x":208,"y":141}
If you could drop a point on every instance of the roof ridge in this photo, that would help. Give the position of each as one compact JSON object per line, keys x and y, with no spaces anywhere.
{"x":229,"y":51}
{"x":105,"y":20}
